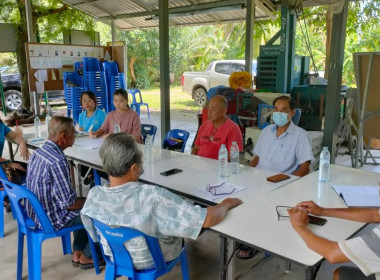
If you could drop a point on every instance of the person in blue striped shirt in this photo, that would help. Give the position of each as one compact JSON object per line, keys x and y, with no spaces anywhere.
{"x":49,"y":179}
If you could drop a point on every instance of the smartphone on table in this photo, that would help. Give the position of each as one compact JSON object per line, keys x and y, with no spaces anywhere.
{"x":171,"y":172}
{"x":316,"y":220}
{"x":278,"y":178}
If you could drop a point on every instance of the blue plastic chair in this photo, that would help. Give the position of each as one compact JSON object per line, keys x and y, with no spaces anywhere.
{"x":122,"y":262}
{"x":73,"y":94}
{"x":148,"y":129}
{"x":3,"y":194}
{"x":110,"y":68}
{"x":35,"y":236}
{"x":91,"y":64}
{"x":177,"y":134}
{"x":136,"y":105}
{"x":297,"y":116}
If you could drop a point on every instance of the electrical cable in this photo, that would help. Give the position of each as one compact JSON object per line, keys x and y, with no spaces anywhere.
{"x":307,"y":40}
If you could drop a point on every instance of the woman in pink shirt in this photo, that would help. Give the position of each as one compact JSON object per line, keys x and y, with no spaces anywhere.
{"x":123,"y":119}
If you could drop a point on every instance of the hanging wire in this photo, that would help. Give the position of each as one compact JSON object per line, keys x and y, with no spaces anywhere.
{"x":307,"y":40}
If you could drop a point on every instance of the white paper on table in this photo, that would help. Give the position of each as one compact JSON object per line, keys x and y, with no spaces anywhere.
{"x":89,"y":143}
{"x":359,"y":196}
{"x":226,"y":188}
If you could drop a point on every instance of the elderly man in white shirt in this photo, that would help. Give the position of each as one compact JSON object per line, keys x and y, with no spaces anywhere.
{"x":283,"y":146}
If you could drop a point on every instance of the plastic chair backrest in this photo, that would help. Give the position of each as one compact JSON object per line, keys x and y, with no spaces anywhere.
{"x":90,"y":64}
{"x":177,"y":134}
{"x":117,"y":237}
{"x":133,"y":92}
{"x":18,"y":193}
{"x":2,"y":172}
{"x":297,"y":116}
{"x":79,"y":68}
{"x":264,"y":113}
{"x":72,"y":77}
{"x":110,"y":68}
{"x":148,"y":129}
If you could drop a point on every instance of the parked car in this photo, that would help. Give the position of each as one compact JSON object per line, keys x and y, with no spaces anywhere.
{"x":11,"y":79}
{"x":12,"y":88}
{"x":217,"y":73}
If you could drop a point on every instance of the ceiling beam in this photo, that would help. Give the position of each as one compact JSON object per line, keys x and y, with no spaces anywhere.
{"x":97,"y":6}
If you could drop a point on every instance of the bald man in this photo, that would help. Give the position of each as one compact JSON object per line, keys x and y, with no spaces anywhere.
{"x":216,"y":131}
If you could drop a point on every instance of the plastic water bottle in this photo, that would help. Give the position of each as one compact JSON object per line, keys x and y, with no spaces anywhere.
{"x":234,"y":158}
{"x":223,"y":162}
{"x":149,"y":148}
{"x":37,"y":127}
{"x":324,"y":165}
{"x":47,"y":120}
{"x":116,"y":128}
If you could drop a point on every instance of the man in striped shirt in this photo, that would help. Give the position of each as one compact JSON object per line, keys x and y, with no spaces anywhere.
{"x":48,"y":177}
{"x":362,"y":250}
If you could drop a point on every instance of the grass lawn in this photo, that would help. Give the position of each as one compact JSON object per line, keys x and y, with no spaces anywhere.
{"x":180,"y":102}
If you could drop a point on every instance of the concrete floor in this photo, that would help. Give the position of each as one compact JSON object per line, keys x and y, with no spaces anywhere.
{"x":203,"y":253}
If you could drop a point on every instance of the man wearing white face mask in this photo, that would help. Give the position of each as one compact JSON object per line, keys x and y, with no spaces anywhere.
{"x":284,"y":147}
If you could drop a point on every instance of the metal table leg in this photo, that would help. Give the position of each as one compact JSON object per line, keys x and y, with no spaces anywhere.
{"x":227,"y":270}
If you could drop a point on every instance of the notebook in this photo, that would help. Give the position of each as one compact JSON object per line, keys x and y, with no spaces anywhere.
{"x":359,"y":196}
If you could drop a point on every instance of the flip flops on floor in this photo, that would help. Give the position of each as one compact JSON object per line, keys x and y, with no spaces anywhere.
{"x":75,"y":263}
{"x":245,"y":252}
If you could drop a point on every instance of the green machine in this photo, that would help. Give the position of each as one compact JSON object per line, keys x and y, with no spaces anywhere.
{"x":281,"y":71}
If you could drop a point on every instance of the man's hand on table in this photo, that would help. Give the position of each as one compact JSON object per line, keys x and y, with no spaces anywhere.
{"x":298,"y":218}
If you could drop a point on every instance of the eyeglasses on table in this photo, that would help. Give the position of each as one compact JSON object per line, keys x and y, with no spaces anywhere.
{"x":217,"y":189}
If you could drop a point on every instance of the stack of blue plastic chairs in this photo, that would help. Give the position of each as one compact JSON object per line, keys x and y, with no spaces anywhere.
{"x":115,"y":80}
{"x":94,"y":80}
{"x":73,"y":87}
{"x":78,"y":66}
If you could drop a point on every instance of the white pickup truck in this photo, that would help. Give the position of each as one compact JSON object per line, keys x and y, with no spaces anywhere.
{"x":217,"y":73}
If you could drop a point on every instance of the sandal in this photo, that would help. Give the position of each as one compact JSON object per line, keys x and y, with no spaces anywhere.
{"x":245,"y":252}
{"x":75,"y":263}
{"x":76,"y":255}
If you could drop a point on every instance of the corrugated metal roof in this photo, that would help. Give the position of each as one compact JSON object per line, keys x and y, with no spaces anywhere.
{"x":135,"y":14}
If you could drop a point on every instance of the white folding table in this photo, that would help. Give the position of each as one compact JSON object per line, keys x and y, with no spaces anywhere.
{"x":255,"y":223}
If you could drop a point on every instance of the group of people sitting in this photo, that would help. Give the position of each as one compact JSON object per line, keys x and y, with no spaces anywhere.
{"x":123,"y":201}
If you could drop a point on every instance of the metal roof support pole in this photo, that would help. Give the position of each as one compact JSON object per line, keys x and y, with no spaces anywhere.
{"x":29,"y":21}
{"x":249,"y":23}
{"x":113,"y":30}
{"x":334,"y":81}
{"x":164,"y":66}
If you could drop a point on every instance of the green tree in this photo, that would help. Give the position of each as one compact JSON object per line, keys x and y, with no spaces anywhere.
{"x":49,"y":19}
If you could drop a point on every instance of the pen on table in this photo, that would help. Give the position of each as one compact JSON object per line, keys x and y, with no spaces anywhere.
{"x":90,"y":128}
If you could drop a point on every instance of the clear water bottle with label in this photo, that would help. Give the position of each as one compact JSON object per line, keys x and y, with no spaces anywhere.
{"x":148,"y":148}
{"x":116,"y":128}
{"x":324,"y":165}
{"x":223,"y":162}
{"x":234,"y":158}
{"x":37,"y":127}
